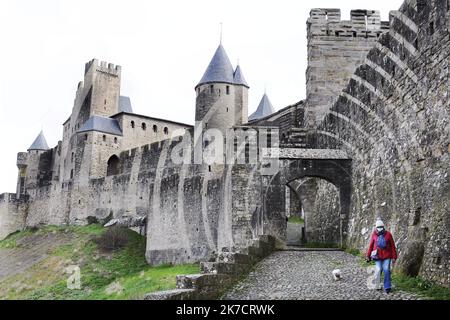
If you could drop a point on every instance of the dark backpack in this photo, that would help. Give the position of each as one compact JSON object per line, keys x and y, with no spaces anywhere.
{"x":381,"y":241}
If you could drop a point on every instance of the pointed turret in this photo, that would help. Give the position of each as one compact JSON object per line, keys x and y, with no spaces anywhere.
{"x":265,"y":109}
{"x":239,"y":77}
{"x":39,"y":143}
{"x":219,"y":69}
{"x":222,"y":94}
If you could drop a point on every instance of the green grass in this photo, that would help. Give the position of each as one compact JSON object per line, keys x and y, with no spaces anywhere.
{"x":11,"y":241}
{"x":125,"y":267}
{"x":420,"y":286}
{"x":296,"y":220}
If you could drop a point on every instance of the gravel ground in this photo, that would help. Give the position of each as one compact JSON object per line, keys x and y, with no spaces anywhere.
{"x":307,"y":275}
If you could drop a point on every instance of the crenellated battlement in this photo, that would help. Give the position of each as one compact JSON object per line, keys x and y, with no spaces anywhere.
{"x":363,"y":23}
{"x":8,"y":198}
{"x":103,"y":66}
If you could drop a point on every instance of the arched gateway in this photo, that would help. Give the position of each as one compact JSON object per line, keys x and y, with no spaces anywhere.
{"x":331,"y":165}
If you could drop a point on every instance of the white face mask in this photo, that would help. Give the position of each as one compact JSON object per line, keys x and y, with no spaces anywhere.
{"x":379,"y":229}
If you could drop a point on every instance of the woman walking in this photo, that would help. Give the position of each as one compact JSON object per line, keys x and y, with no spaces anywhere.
{"x":382,"y":250}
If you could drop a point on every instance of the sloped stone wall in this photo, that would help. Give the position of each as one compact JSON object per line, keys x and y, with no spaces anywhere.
{"x":393,"y":118}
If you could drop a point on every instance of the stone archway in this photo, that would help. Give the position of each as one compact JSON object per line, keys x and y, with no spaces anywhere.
{"x":113,"y":167}
{"x":336,"y":172}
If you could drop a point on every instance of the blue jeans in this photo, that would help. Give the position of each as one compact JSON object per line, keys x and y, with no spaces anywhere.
{"x":385,"y":266}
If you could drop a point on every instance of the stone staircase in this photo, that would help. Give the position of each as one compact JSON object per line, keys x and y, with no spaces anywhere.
{"x":217,"y":276}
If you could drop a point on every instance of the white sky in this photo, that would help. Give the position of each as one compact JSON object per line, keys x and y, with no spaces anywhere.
{"x":163,"y":47}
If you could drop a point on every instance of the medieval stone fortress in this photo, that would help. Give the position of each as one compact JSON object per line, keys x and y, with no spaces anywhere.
{"x":371,"y":140}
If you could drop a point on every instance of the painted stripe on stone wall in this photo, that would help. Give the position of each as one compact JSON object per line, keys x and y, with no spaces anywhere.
{"x":332,"y":135}
{"x":395,"y":82}
{"x":390,"y":137}
{"x":396,"y":59}
{"x":399,"y":115}
{"x":354,"y":124}
{"x":410,"y":47}
{"x":406,"y":20}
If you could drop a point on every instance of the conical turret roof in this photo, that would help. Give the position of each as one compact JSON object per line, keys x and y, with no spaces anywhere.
{"x":219,"y":69}
{"x":239,"y":77}
{"x":39,"y":143}
{"x":265,"y":109}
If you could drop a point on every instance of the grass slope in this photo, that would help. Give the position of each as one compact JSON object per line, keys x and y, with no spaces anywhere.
{"x":122,"y":274}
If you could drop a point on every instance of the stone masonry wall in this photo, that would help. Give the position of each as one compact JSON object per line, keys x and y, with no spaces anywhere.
{"x":335,"y":49}
{"x":12,"y":214}
{"x":393,"y":118}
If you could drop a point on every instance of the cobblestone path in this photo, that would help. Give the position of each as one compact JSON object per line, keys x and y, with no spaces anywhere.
{"x":307,"y":275}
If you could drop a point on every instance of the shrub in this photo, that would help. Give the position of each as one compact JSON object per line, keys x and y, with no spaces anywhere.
{"x":113,"y":238}
{"x":92,"y":220}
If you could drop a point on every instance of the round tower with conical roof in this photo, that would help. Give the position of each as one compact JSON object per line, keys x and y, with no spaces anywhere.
{"x":222,"y":94}
{"x":28,"y":164}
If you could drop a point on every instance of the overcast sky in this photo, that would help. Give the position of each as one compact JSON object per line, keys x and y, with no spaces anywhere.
{"x":163,"y":47}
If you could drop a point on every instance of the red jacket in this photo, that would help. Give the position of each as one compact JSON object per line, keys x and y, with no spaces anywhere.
{"x":390,"y":252}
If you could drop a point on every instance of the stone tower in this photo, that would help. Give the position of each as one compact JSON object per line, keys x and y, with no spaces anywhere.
{"x":222,"y":94}
{"x":31,"y":165}
{"x":335,"y":49}
{"x":105,"y":81}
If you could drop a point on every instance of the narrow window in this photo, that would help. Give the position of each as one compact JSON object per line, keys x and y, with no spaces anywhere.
{"x":211,"y":88}
{"x":71,"y":158}
{"x":132,"y":124}
{"x":115,"y":140}
{"x":144,"y":126}
{"x":155,"y":128}
{"x":206,"y":125}
{"x":228,"y":89}
{"x":105,"y":101}
{"x":227,"y":109}
{"x":209,"y":168}
{"x":166,"y":130}
{"x":85,"y":137}
{"x":71,"y":174}
{"x":104,"y":138}
{"x":336,"y":33}
{"x":354,"y":34}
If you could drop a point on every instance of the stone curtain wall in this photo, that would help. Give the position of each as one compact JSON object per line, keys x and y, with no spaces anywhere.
{"x":323,"y":222}
{"x":393,"y":118}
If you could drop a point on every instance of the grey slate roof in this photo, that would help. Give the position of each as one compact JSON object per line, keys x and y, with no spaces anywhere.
{"x":265,"y":109}
{"x":239,"y":77}
{"x":40,"y":143}
{"x":101,"y":124}
{"x":219,"y":69}
{"x":125,"y":104}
